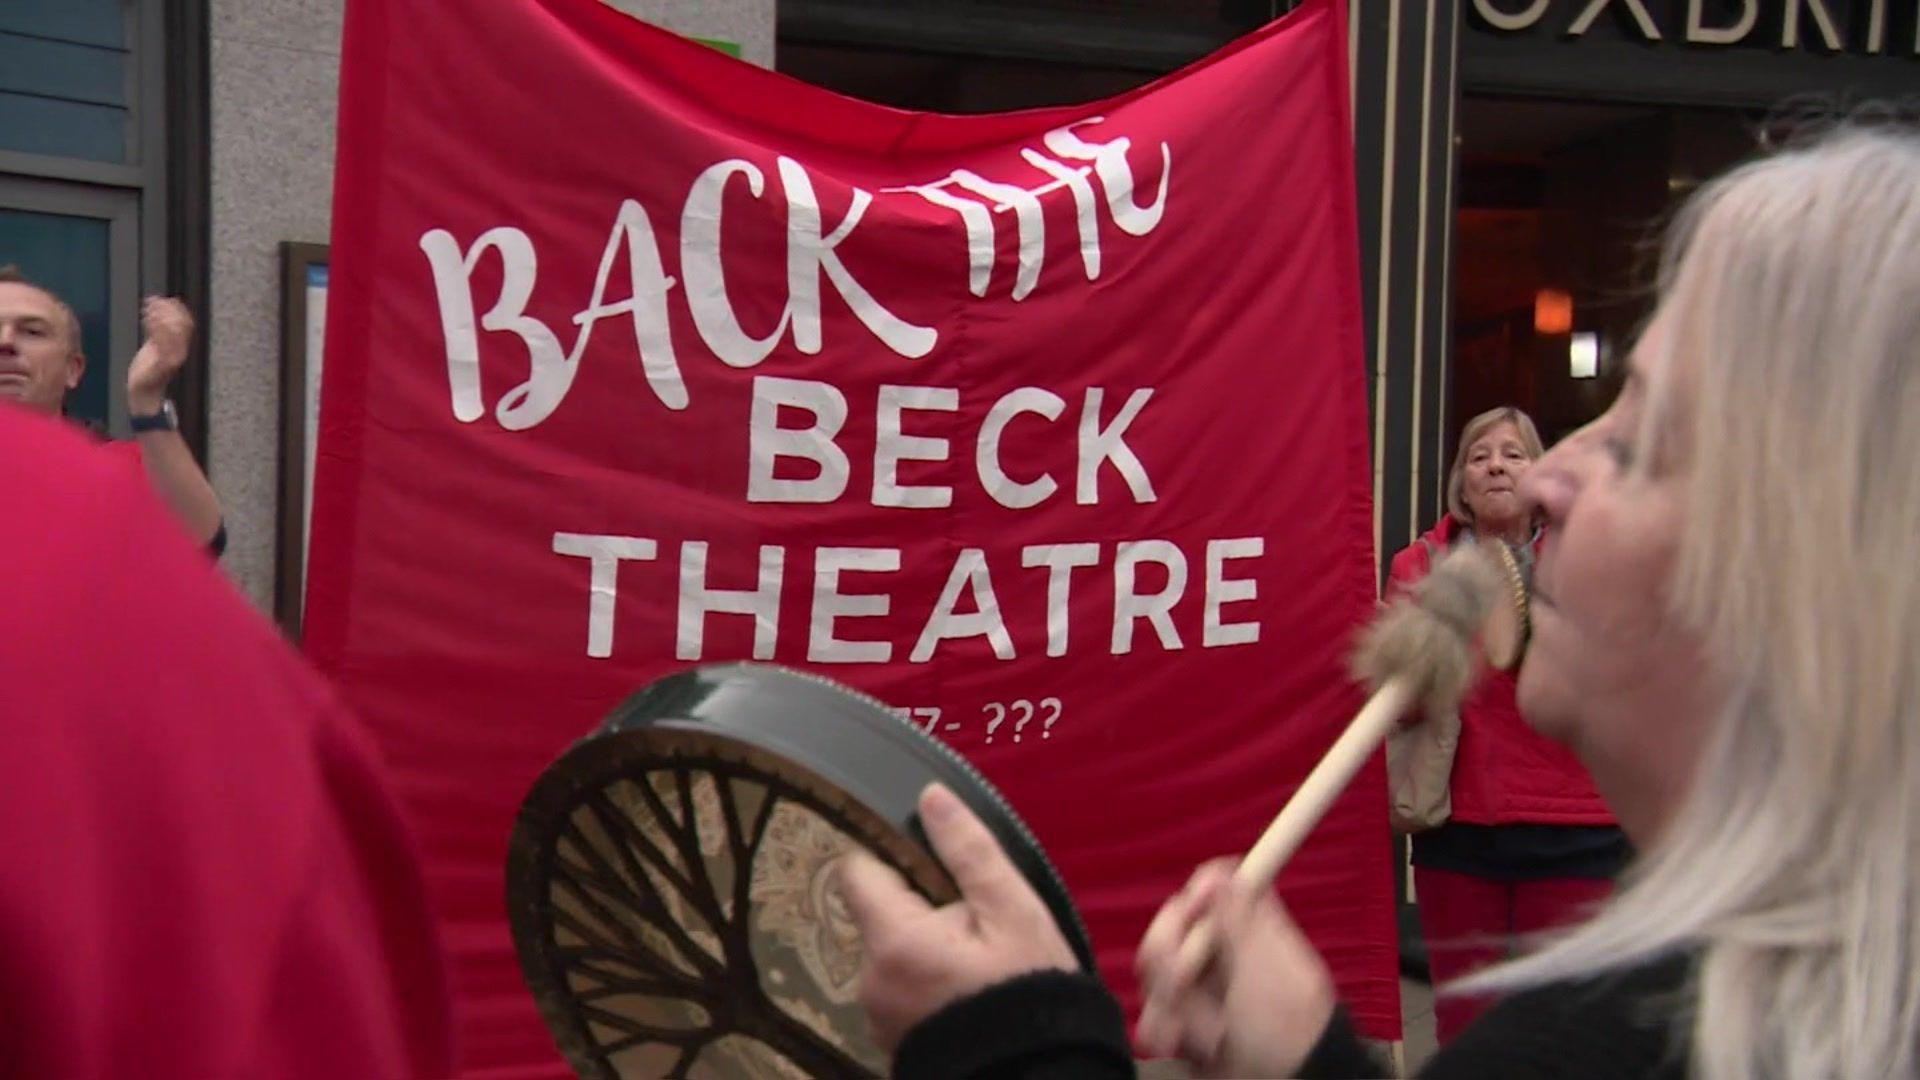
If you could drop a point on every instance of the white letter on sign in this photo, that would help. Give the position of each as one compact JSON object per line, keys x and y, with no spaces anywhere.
{"x":1130,"y":605}
{"x":697,"y":600}
{"x":1099,"y":445}
{"x":549,"y":371}
{"x":891,"y":446}
{"x":829,"y":603}
{"x":1585,"y":22}
{"x":969,"y":573}
{"x":809,"y":253}
{"x":1222,"y":591}
{"x":1698,"y":30}
{"x":1059,"y":559}
{"x":648,"y":283}
{"x":700,"y":261}
{"x":1116,"y":176}
{"x":767,"y":441}
{"x":604,"y":587}
{"x":1005,"y":490}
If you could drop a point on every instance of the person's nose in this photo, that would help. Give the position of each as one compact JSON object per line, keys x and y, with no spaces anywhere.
{"x":1549,"y":485}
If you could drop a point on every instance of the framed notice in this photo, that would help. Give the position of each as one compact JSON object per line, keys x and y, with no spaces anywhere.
{"x":303,"y":321}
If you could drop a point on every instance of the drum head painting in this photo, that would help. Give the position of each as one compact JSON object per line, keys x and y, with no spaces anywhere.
{"x":671,"y":881}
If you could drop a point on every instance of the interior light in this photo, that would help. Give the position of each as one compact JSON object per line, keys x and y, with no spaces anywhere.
{"x":1552,"y":311}
{"x":1583,"y":355}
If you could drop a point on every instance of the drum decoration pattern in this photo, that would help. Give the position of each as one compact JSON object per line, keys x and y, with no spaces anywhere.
{"x":671,"y":878}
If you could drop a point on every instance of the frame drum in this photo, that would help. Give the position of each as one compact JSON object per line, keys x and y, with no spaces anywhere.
{"x":670,"y":880}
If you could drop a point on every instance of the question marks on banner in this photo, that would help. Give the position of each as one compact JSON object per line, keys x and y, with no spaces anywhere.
{"x":1023,"y":712}
{"x":997,"y":714}
{"x":1024,"y":709}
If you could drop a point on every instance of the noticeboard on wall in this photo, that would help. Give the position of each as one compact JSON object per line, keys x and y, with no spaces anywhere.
{"x":303,"y":320}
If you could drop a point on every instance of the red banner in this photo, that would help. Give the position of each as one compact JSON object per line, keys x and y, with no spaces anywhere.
{"x":1048,"y":427}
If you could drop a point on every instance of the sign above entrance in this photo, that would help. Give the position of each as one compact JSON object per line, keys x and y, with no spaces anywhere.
{"x":1739,"y":53}
{"x":1853,"y":26}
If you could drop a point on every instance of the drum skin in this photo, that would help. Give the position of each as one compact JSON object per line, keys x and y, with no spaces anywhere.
{"x":714,"y":791}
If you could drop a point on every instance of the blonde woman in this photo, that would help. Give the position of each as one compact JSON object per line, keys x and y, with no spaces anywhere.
{"x":1529,"y":846}
{"x":1727,"y":632}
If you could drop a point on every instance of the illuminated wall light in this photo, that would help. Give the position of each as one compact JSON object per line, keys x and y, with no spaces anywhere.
{"x":1583,"y":355}
{"x":1552,"y":312}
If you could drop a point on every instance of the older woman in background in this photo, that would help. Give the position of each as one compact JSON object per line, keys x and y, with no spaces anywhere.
{"x":1529,"y":845}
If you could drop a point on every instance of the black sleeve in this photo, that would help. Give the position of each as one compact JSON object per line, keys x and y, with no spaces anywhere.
{"x":1045,"y":1025}
{"x":1626,"y":1025}
{"x":1339,"y":1055}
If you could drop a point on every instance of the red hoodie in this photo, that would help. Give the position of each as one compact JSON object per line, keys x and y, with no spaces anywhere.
{"x":1504,"y":772}
{"x":203,"y":873}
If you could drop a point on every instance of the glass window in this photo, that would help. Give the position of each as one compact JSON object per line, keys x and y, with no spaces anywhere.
{"x":69,"y":255}
{"x":64,"y":77}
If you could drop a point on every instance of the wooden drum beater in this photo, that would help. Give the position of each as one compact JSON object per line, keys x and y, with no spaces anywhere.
{"x":1419,"y":652}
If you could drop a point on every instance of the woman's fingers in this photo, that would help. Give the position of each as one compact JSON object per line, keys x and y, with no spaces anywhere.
{"x":989,"y":882}
{"x":1165,"y":956}
{"x":880,"y":902}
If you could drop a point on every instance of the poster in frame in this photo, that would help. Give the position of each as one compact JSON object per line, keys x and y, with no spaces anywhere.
{"x":303,"y":318}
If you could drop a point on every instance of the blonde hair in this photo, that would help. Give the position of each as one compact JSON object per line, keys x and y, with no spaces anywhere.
{"x":1476,"y":427}
{"x":1791,"y":296}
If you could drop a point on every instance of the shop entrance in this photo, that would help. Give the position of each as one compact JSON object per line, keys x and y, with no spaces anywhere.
{"x":1561,"y":205}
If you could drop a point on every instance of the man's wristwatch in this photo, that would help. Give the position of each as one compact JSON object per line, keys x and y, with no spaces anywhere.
{"x":164,"y":420}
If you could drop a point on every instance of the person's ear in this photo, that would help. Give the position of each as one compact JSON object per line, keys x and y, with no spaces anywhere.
{"x":76,"y":367}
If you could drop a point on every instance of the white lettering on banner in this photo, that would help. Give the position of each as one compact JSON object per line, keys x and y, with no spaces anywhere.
{"x":811,"y":253}
{"x":603,"y":588}
{"x":830,"y":604}
{"x":549,"y":373}
{"x":969,"y":575}
{"x":707,"y":298}
{"x":1109,"y":165}
{"x":1005,"y":490}
{"x":891,"y":446}
{"x":1098,"y":444}
{"x":1060,"y":561}
{"x":1102,"y":444}
{"x":697,"y":600}
{"x":968,"y":584}
{"x":1130,"y":605}
{"x":1221,"y":591}
{"x":1029,"y":216}
{"x":767,"y":441}
{"x":1116,"y":176}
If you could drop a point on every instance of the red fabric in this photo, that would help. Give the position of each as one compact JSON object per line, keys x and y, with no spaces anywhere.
{"x":204,"y":874}
{"x":1504,"y":772}
{"x":448,"y":592}
{"x":127,"y":450}
{"x":1470,"y":922}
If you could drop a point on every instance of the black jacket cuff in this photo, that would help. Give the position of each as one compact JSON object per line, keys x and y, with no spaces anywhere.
{"x":1042,"y":1024}
{"x":1340,"y":1055}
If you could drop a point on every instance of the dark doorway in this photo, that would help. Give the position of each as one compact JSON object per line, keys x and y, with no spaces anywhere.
{"x":1560,"y":212}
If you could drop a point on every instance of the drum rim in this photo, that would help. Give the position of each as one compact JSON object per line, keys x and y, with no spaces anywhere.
{"x":689,"y":702}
